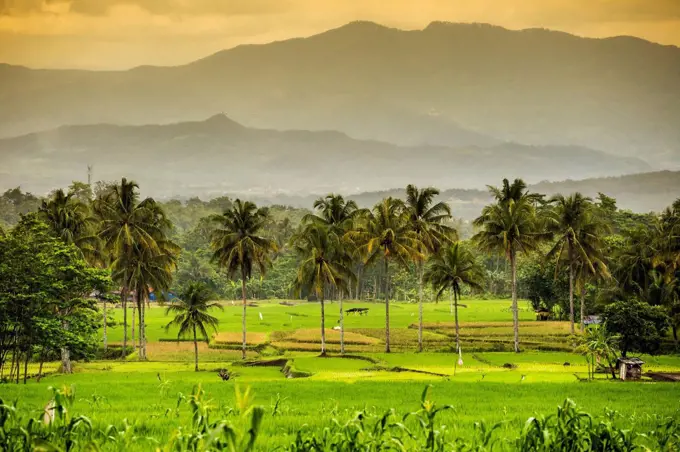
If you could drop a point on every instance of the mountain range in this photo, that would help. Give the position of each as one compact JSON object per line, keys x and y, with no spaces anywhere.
{"x":219,"y":155}
{"x":447,"y":86}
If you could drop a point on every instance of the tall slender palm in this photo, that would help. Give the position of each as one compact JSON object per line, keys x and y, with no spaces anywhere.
{"x":591,"y":264}
{"x":426,"y":219}
{"x":509,"y":226}
{"x":147,"y":269}
{"x":340,"y":217}
{"x":387,"y":235}
{"x":192,"y":314}
{"x":71,"y":221}
{"x":450,"y":269}
{"x":126,"y":223}
{"x":238,"y":246}
{"x":578,"y":236}
{"x":325,"y":264}
{"x":633,"y":264}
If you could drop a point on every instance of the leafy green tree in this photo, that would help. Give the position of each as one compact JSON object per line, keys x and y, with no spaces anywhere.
{"x":385,"y":234}
{"x":238,"y":246}
{"x":510,"y":226}
{"x":451,"y":268}
{"x":45,"y":288}
{"x":324,"y":264}
{"x":578,"y":239}
{"x":191,"y":314}
{"x":70,"y":220}
{"x":426,"y":219}
{"x":638,"y":326}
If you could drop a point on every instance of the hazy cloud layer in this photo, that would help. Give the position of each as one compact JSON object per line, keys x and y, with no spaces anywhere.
{"x":124,"y":33}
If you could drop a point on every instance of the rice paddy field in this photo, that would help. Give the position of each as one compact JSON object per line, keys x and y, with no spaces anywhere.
{"x":298,"y":389}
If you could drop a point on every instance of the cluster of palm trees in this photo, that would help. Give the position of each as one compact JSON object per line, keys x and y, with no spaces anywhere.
{"x":128,"y":235}
{"x":339,"y":239}
{"x":131,"y":236}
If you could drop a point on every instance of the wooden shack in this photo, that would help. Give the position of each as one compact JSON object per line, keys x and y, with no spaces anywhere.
{"x":543,"y":314}
{"x":629,"y":368}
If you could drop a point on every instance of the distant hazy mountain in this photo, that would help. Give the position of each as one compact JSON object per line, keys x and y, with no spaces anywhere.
{"x":219,"y":155}
{"x":447,"y":85}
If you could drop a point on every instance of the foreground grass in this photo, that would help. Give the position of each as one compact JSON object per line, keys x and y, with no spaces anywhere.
{"x":136,"y":393}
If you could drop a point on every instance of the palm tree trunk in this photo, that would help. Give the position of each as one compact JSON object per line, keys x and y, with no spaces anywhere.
{"x":583,"y":306}
{"x":323,"y":326}
{"x":140,"y":313}
{"x":387,"y":307}
{"x":106,"y":344}
{"x":124,"y":295}
{"x":451,"y":301}
{"x":420,"y":306}
{"x":195,"y":351}
{"x":571,"y":291}
{"x":455,"y":310}
{"x":132,"y":326}
{"x":515,"y":312}
{"x":342,"y":328}
{"x":65,"y":354}
{"x":243,"y":294}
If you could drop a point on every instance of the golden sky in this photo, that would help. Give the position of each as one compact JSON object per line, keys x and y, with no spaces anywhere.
{"x":118,"y":34}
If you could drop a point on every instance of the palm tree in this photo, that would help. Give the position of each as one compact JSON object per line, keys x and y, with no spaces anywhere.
{"x":238,"y":247}
{"x":450,"y":269}
{"x":594,"y":268}
{"x":339,"y":216}
{"x":579,"y":236}
{"x":510,"y":226}
{"x":70,"y":220}
{"x":127,"y":224}
{"x":427,"y":221}
{"x":148,"y":269}
{"x":386,"y":235}
{"x":192,"y":314}
{"x":325,"y":264}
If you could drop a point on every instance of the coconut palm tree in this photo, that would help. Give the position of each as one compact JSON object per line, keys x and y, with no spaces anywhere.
{"x":509,"y":226}
{"x":451,"y":268}
{"x":191,"y":314}
{"x":324,"y":264}
{"x":148,"y":269}
{"x":340,"y":217}
{"x":578,"y":238}
{"x":426,"y":219}
{"x":71,"y":221}
{"x":125,"y":224}
{"x":238,"y":246}
{"x":593,"y":269}
{"x":386,"y":235}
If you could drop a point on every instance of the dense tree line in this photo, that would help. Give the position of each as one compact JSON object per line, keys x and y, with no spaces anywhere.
{"x":557,"y":252}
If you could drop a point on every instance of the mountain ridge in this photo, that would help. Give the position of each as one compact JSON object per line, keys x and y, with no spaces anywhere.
{"x":193,"y":156}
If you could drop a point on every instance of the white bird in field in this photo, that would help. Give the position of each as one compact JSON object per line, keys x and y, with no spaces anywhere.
{"x":260,"y":316}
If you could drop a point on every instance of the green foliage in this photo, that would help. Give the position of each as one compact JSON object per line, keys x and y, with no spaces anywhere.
{"x":638,"y":326}
{"x":45,"y":288}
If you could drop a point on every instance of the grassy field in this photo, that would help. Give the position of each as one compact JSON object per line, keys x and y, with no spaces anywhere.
{"x":491,"y":386}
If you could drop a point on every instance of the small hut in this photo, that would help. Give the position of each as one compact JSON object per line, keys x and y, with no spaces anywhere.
{"x":629,"y":368}
{"x":543,"y":314}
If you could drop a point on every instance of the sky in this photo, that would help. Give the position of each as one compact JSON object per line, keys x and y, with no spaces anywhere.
{"x":119,"y":34}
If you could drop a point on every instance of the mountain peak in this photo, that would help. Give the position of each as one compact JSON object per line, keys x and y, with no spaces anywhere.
{"x":221,"y":120}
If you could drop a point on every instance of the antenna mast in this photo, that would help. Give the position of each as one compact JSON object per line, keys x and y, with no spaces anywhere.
{"x":89,"y":175}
